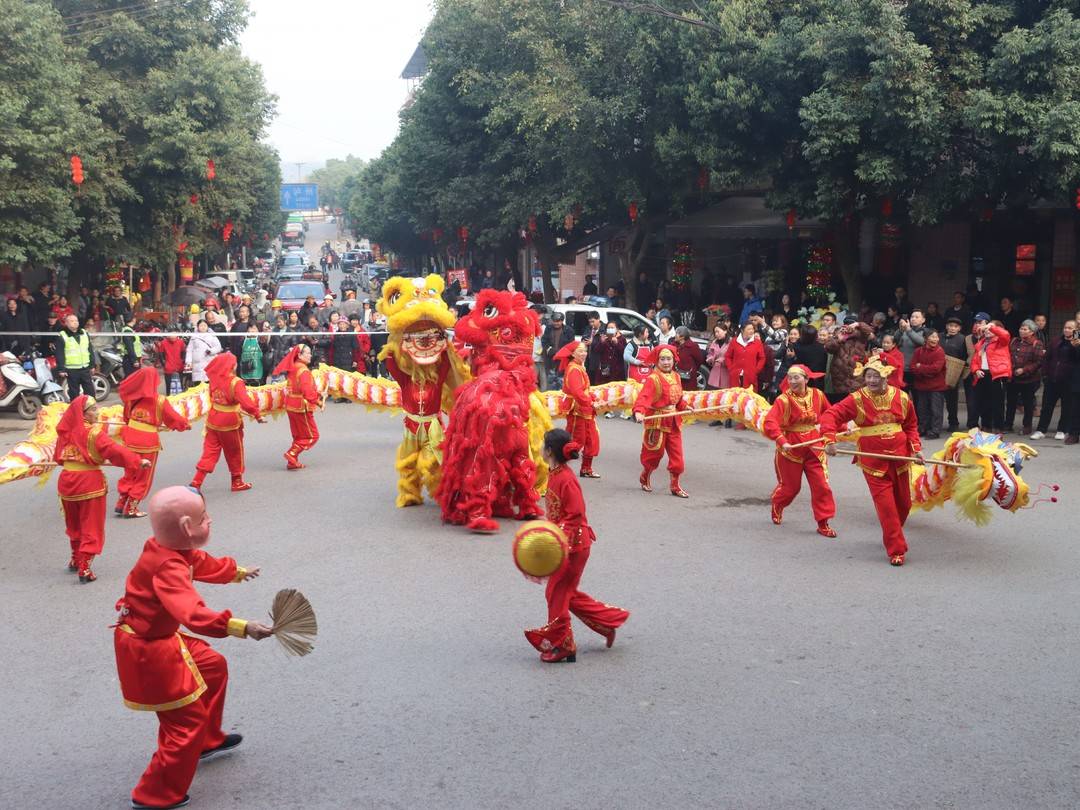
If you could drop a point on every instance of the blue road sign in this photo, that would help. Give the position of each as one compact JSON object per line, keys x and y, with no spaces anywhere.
{"x":299,"y":196}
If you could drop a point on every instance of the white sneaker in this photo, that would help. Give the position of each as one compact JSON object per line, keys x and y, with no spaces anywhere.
{"x":1038,"y":434}
{"x":1059,"y":436}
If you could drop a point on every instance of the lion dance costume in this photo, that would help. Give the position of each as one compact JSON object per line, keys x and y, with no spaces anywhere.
{"x":418,"y":358}
{"x":492,"y":465}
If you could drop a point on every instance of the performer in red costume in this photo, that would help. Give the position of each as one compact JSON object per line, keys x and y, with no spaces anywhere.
{"x":793,"y":419}
{"x":566,"y":508}
{"x":145,"y":411}
{"x":163,"y":670}
{"x":581,"y":420}
{"x":225,"y":422}
{"x":302,"y":399}
{"x":886,"y":423}
{"x":82,"y":446}
{"x":662,"y":394}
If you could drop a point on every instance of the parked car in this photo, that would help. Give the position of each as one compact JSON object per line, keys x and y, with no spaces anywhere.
{"x":350,"y":260}
{"x":291,"y":261}
{"x":292,"y":294}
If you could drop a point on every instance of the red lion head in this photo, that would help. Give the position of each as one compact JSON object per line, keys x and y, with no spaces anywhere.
{"x":500,"y":328}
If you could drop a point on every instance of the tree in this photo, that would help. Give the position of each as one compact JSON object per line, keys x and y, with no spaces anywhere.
{"x":337,"y":180}
{"x":43,"y":126}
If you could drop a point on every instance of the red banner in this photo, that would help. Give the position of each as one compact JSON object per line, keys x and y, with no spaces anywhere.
{"x":187,"y":270}
{"x":1063,"y":289}
{"x":460,"y":275}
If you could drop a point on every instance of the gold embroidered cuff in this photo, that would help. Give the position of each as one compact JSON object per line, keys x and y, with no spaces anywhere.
{"x":238,"y":628}
{"x":241,"y":572}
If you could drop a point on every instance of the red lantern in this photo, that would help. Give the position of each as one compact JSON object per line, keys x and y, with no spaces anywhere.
{"x":633,"y":212}
{"x":437,"y":234}
{"x":76,"y":170}
{"x":463,"y":234}
{"x":532,"y":224}
{"x":182,"y":247}
{"x":226,"y":232}
{"x":886,"y":207}
{"x":791,"y":218}
{"x":194,"y":199}
{"x":211,"y":170}
{"x":144,"y":282}
{"x":1077,"y":203}
{"x":703,"y":179}
{"x":987,"y":213}
{"x":568,"y":222}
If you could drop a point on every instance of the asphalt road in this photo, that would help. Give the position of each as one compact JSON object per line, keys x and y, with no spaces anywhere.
{"x":762,"y":667}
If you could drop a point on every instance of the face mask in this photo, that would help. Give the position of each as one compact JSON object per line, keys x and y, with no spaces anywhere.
{"x":611,"y":331}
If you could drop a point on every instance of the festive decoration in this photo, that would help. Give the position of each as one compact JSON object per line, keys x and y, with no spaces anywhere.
{"x":77,"y":176}
{"x":187,"y":269}
{"x":633,"y":211}
{"x":886,"y":207}
{"x":568,"y":222}
{"x":890,"y":235}
{"x":114,"y":274}
{"x":987,"y":213}
{"x":436,"y":234}
{"x":791,"y":219}
{"x":194,"y":199}
{"x":703,"y":179}
{"x":682,"y":266}
{"x":145,"y":284}
{"x":211,"y":170}
{"x":819,"y":273}
{"x":1077,"y":202}
{"x":463,"y":234}
{"x":226,"y":232}
{"x":532,"y":225}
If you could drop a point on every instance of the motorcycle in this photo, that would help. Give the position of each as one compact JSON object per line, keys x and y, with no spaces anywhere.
{"x":20,"y":389}
{"x":111,"y":366}
{"x":40,"y":368}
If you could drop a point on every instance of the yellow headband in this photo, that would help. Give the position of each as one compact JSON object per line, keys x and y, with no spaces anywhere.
{"x":875,"y":363}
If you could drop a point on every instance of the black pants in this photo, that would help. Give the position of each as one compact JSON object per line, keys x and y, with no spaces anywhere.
{"x":1020,"y":392}
{"x":1052,"y":395}
{"x":990,"y":403}
{"x":970,"y":401}
{"x":1074,"y":417}
{"x":952,"y":406}
{"x":79,"y":381}
{"x":129,"y":364}
{"x":929,"y":407}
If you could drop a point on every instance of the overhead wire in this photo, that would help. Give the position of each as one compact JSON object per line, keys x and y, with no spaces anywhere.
{"x":80,"y":17}
{"x":104,"y":24}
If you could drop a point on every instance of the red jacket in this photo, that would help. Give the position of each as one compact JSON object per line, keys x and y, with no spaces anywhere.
{"x":892,"y":427}
{"x":144,"y":417}
{"x":173,"y":351}
{"x":566,"y":507}
{"x":928,"y":368}
{"x":745,"y":362}
{"x":895,"y":358}
{"x":576,"y":386}
{"x":156,"y":671}
{"x":996,"y":346}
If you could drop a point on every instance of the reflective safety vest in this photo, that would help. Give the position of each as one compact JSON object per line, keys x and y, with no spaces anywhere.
{"x":138,"y":342}
{"x":76,"y":350}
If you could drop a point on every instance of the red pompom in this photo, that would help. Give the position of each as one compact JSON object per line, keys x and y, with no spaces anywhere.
{"x":571,"y":450}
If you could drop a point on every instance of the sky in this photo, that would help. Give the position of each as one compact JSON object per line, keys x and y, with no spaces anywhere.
{"x":335,"y":66}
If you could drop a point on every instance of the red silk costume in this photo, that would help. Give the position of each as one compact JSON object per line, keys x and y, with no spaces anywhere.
{"x":301,"y":400}
{"x":887,"y":424}
{"x":145,"y":411}
{"x":419,"y":457}
{"x":225,"y":422}
{"x":566,"y":508}
{"x":81,"y":449}
{"x":174,"y":674}
{"x":661,"y":393}
{"x":793,"y":420}
{"x":581,"y":419}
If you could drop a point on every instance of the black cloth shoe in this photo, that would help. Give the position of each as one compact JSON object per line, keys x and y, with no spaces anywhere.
{"x":230,"y":742}
{"x":182,"y":803}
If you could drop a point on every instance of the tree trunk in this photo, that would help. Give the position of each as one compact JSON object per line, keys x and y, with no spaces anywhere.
{"x":543,"y":251}
{"x":846,"y":252}
{"x":630,"y":261}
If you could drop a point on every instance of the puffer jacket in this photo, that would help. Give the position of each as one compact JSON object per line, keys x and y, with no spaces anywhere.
{"x":847,"y":351}
{"x":1027,"y":359}
{"x":998,"y":357}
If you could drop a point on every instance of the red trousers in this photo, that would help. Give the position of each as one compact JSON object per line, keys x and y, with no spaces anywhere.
{"x":136,"y":485}
{"x":85,"y":524}
{"x":653,"y":445}
{"x":789,"y":475}
{"x":231,"y":442}
{"x":186,"y":732}
{"x":892,"y":499}
{"x":304,"y":432}
{"x":584,"y":432}
{"x":564,"y":598}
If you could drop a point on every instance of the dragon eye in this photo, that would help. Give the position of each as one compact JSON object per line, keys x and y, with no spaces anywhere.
{"x":394,"y":298}
{"x":432,"y":291}
{"x":491,"y":311}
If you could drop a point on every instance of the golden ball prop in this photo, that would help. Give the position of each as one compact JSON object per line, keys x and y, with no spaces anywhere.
{"x":540,"y":548}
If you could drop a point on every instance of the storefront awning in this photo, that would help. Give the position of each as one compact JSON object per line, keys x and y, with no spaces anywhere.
{"x":742,"y":218}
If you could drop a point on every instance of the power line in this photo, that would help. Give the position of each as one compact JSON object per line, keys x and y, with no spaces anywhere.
{"x":98,"y":26}
{"x":82,"y":17}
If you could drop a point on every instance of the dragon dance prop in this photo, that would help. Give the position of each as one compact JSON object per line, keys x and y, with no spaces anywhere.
{"x":991,"y":472}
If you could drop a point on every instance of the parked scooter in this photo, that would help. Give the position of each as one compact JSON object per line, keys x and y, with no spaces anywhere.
{"x":41,"y":370}
{"x":111,"y":366}
{"x":20,"y":390}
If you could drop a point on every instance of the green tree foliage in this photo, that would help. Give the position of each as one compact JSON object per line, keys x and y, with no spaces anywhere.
{"x":337,"y":180}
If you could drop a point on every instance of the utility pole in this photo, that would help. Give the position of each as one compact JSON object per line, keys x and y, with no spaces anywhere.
{"x":299,"y":178}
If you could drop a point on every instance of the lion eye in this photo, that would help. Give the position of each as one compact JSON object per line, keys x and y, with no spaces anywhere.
{"x":491,"y":311}
{"x":394,"y":298}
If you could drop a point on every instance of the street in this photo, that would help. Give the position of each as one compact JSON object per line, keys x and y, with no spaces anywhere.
{"x":762,"y":666}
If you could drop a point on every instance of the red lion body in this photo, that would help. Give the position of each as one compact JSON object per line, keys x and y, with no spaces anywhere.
{"x":487,"y":470}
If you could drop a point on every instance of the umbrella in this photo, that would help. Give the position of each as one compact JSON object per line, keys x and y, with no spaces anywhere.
{"x":186,"y":296}
{"x":212,"y":283}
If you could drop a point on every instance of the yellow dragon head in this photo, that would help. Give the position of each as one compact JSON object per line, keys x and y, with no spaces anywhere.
{"x":417,"y":319}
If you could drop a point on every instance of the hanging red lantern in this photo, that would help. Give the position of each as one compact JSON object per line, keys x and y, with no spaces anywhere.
{"x":633,"y":212}
{"x":437,"y":234}
{"x":194,"y":199}
{"x":182,"y":247}
{"x":463,"y":234}
{"x":211,"y":170}
{"x":568,"y":222}
{"x":77,"y":176}
{"x":791,"y":219}
{"x":987,"y":212}
{"x":1077,"y":203}
{"x":226,"y":232}
{"x":144,"y":282}
{"x":532,"y":224}
{"x":703,"y":179}
{"x":886,"y":207}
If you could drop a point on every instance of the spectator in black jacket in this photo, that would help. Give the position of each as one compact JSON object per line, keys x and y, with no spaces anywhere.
{"x":955,"y":345}
{"x":810,"y":352}
{"x":320,"y":344}
{"x":239,"y":329}
{"x":556,"y":335}
{"x":1058,"y":370}
{"x":15,"y":318}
